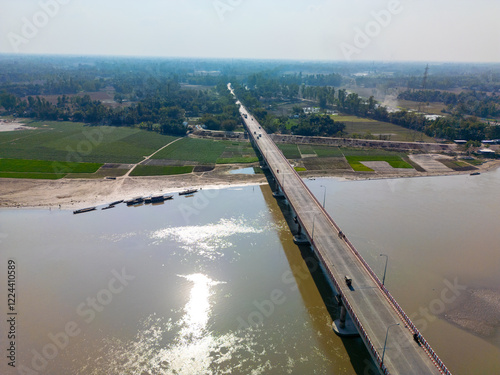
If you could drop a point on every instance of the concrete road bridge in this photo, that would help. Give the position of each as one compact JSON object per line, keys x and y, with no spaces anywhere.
{"x":367,"y":307}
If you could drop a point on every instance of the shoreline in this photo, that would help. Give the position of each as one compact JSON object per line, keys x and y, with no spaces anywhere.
{"x":72,"y":194}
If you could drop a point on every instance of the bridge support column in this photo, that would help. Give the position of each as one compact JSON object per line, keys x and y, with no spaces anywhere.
{"x":277,"y":192}
{"x":299,"y":238}
{"x":344,"y":326}
{"x":343,"y":315}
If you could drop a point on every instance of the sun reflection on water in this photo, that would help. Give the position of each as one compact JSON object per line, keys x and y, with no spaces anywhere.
{"x":197,"y":310}
{"x":205,"y":240}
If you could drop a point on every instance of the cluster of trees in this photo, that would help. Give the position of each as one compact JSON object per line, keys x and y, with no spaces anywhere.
{"x":474,"y":103}
{"x":318,"y":125}
{"x":165,"y":112}
{"x":470,"y":129}
{"x":294,"y":86}
{"x":451,"y":127}
{"x":488,"y":82}
{"x":353,"y":104}
{"x":54,"y":86}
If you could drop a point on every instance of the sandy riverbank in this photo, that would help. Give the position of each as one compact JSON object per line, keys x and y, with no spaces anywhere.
{"x":79,"y":193}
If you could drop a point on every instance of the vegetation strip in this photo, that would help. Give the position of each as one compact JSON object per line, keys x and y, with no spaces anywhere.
{"x":44,"y":166}
{"x":153,"y":170}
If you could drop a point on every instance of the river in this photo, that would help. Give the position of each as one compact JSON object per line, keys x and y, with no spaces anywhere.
{"x":213,"y":284}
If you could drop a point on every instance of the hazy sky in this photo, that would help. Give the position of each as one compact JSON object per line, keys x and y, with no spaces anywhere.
{"x":421,"y":30}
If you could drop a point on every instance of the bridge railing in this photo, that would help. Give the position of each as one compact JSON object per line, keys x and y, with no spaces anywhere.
{"x":434,"y":357}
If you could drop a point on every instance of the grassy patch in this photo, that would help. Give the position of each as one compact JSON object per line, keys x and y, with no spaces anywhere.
{"x":371,"y":152}
{"x":326,"y":151}
{"x":357,"y":166}
{"x":351,"y":119}
{"x":63,"y":141}
{"x":235,"y":160}
{"x":475,"y":162}
{"x":394,"y":161}
{"x":207,"y":151}
{"x":326,"y":164}
{"x":44,"y":166}
{"x":306,"y":149}
{"x":258,"y":170}
{"x":457,"y":165}
{"x":32,"y":175}
{"x":300,"y":169}
{"x":155,"y":170}
{"x":290,"y":123}
{"x":290,"y":151}
{"x":380,"y":130}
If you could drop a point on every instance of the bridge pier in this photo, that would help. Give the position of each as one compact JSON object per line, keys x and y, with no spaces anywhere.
{"x":344,"y":326}
{"x":278,"y":193}
{"x":300,"y":238}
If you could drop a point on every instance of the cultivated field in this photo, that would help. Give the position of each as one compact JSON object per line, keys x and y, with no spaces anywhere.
{"x":336,"y":158}
{"x":366,"y":128}
{"x":76,"y":142}
{"x":154,"y":170}
{"x":36,"y":169}
{"x":207,"y":151}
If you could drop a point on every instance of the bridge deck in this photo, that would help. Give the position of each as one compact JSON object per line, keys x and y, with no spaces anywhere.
{"x":370,"y":305}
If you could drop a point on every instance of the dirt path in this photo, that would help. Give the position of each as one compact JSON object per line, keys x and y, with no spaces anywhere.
{"x":147,"y":158}
{"x":121,"y":180}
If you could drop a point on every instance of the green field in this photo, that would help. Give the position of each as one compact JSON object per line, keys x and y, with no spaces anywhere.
{"x":306,"y":150}
{"x":43,"y":166}
{"x":393,"y":160}
{"x":351,"y":119}
{"x":474,"y":162}
{"x":76,"y":142}
{"x":153,"y":170}
{"x":326,"y":151}
{"x":32,"y":175}
{"x":237,"y":160}
{"x":208,"y":151}
{"x":372,"y":129}
{"x":43,"y":169}
{"x":290,"y":151}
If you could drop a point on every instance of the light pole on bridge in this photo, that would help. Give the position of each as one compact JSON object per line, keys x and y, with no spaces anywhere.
{"x":385,"y":269}
{"x":312,"y":234}
{"x":385,"y":343}
{"x":324,"y":196}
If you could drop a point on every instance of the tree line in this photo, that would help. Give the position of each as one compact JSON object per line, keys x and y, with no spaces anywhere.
{"x":475,"y":103}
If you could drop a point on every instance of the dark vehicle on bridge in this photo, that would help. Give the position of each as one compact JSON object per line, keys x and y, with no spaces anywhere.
{"x":348,"y":281}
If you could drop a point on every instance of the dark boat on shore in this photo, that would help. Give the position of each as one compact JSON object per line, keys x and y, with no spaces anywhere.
{"x":189,"y":191}
{"x":475,"y":174}
{"x":133,"y":201}
{"x":157,"y":198}
{"x":107,"y":208}
{"x":115,"y":203}
{"x":83,"y":210}
{"x":154,"y":199}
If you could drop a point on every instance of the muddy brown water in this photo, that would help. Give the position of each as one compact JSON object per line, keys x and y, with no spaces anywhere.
{"x":213,"y":283}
